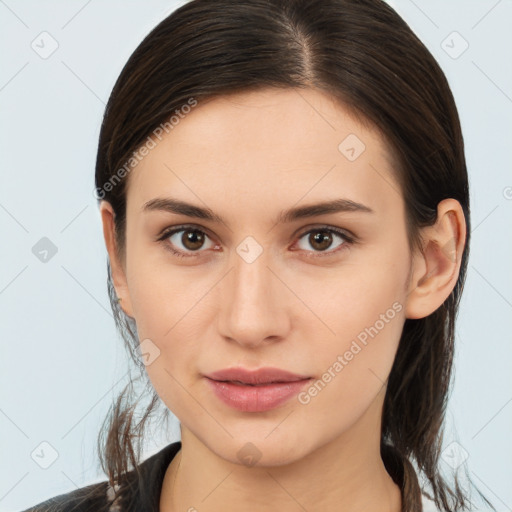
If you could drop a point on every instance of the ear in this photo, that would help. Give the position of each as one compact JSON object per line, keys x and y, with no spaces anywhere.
{"x":116,"y":265}
{"x":435,"y":269}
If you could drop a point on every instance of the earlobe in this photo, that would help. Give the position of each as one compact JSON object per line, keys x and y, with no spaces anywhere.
{"x":116,"y":266}
{"x":435,"y":269}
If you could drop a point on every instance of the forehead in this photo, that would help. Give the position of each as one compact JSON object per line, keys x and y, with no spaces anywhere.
{"x":271,"y":145}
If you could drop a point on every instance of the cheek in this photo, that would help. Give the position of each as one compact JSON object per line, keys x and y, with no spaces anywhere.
{"x":161,"y":293}
{"x":169,"y":307}
{"x":353,"y":368}
{"x":364,"y":308}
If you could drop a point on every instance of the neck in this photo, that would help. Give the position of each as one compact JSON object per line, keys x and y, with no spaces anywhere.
{"x":346,"y":473}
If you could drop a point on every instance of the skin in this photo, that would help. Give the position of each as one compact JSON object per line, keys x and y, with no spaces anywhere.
{"x":247,"y":156}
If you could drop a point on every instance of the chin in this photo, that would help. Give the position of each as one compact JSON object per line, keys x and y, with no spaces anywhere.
{"x":262,"y":451}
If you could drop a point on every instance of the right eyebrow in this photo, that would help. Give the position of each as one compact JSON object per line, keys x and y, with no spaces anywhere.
{"x":171,"y":205}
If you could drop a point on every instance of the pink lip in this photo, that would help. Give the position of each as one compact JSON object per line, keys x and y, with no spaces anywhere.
{"x":255,"y":391}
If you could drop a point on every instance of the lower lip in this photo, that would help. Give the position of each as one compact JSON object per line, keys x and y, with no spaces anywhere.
{"x":255,"y":398}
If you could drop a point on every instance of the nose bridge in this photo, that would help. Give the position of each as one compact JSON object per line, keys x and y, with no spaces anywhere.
{"x":252,"y":299}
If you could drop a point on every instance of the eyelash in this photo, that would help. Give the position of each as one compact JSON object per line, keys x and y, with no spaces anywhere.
{"x":348,"y":240}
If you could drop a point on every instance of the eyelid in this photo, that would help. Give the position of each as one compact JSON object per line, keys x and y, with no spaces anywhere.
{"x":345,"y":233}
{"x":169,"y":231}
{"x":348,"y":236}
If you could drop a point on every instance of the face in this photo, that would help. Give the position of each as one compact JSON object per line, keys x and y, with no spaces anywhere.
{"x":321,"y":293}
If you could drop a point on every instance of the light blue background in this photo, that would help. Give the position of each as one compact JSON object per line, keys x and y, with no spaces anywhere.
{"x":62,"y":359}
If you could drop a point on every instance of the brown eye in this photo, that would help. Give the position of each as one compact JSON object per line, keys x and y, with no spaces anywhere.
{"x":321,"y":239}
{"x":186,"y":241}
{"x":192,"y":239}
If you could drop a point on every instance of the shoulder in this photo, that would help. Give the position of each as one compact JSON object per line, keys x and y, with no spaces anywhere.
{"x":140,"y":491}
{"x":86,"y":499}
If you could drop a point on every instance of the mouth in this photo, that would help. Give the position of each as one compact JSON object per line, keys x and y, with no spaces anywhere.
{"x":263,"y":384}
{"x":261,"y":376}
{"x":248,"y":397}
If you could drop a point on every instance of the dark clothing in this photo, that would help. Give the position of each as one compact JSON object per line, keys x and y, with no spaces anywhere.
{"x":140,"y":494}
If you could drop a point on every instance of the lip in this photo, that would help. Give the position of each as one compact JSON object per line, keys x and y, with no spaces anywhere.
{"x":261,"y":376}
{"x":255,"y":391}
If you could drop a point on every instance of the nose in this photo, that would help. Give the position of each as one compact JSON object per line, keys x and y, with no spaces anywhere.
{"x":254,"y":303}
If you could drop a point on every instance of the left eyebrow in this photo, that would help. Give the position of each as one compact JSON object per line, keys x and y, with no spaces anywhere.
{"x":313,"y":210}
{"x":176,"y":206}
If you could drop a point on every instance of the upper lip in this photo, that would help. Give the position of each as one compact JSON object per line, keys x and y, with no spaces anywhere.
{"x":260,"y":376}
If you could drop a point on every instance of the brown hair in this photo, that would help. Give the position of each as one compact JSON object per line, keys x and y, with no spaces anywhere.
{"x":363,"y":54}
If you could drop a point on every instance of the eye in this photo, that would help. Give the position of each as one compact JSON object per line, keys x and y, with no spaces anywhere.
{"x":186,"y":239}
{"x":323,"y":238}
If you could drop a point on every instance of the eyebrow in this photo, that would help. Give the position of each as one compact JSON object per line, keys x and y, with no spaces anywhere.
{"x":176,"y":206}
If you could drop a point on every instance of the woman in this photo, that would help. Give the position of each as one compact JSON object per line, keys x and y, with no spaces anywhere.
{"x":284,"y":198}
